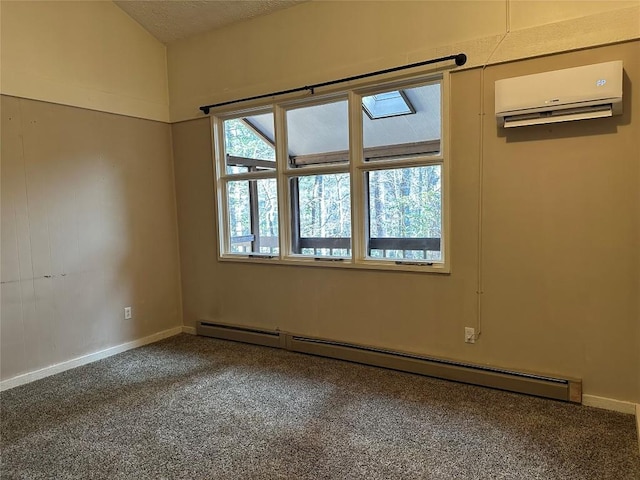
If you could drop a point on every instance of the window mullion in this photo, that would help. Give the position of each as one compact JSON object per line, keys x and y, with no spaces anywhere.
{"x":221,"y":186}
{"x":249,"y":176}
{"x":254,"y":216}
{"x":317,"y":170}
{"x":401,"y":163}
{"x":446,"y":166}
{"x":358,"y":221}
{"x":284,"y":196}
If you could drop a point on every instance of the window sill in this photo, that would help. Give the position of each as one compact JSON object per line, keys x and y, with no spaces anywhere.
{"x":337,"y":262}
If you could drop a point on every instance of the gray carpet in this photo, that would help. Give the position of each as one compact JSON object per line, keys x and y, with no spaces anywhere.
{"x":198,"y":408}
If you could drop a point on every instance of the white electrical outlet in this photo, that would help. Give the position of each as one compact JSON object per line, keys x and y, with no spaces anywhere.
{"x":469,"y":335}
{"x":127,"y":313}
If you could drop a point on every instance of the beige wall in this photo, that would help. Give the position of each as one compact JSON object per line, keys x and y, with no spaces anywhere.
{"x":88,"y":203}
{"x":86,"y":54}
{"x":562,"y":224}
{"x":561,"y":231}
{"x":88,"y":227}
{"x":530,"y":13}
{"x":320,"y":41}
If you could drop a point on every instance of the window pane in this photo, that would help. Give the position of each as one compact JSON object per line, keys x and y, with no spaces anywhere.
{"x":248,"y":143}
{"x":388,"y":104}
{"x":321,"y":215}
{"x":253,"y":216}
{"x":396,"y":133}
{"x":405,"y":213}
{"x":318,"y":134}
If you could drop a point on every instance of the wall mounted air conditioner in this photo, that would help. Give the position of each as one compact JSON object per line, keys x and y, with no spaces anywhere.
{"x":590,"y":91}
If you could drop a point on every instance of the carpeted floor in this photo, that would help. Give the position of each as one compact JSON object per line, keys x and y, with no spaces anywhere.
{"x":198,"y":408}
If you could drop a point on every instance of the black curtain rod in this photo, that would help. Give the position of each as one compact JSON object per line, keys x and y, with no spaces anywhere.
{"x":460,"y":60}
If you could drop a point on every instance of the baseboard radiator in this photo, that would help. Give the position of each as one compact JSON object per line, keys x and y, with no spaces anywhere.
{"x":565,"y":389}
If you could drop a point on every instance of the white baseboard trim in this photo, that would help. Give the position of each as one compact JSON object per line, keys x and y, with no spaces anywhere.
{"x":189,"y":330}
{"x":609,"y":404}
{"x":83,"y":360}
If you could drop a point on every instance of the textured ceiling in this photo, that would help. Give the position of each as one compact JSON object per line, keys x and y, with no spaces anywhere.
{"x":170,"y":20}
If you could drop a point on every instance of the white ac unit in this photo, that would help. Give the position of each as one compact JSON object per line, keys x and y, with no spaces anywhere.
{"x":590,"y":91}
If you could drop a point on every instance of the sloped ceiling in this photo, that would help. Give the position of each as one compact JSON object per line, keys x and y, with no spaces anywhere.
{"x":171,"y":20}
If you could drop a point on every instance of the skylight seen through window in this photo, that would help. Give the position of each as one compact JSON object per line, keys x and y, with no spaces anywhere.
{"x":387,"y":104}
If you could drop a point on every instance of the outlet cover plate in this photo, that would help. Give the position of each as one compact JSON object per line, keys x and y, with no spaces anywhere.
{"x":469,"y":335}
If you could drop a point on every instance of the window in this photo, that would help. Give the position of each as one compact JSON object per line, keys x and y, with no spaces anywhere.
{"x":356,"y":179}
{"x":405,"y":213}
{"x":317,"y":138}
{"x":246,"y":149}
{"x":253,"y":216}
{"x":251,"y":194}
{"x":318,"y":134}
{"x":404,"y":199}
{"x":387,"y":104}
{"x":321,"y":215}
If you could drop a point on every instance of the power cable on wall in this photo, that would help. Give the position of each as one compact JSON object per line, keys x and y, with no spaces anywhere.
{"x":481,"y":115}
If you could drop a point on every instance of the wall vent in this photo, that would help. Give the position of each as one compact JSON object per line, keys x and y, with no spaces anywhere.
{"x":565,"y":389}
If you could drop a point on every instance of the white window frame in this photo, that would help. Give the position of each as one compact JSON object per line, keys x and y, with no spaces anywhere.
{"x":356,"y":168}
{"x":222,"y":178}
